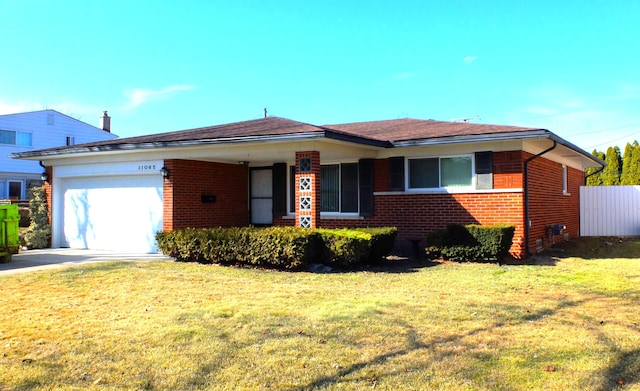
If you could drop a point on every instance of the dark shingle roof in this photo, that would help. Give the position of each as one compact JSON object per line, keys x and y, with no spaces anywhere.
{"x":415,"y":129}
{"x":378,"y":133}
{"x":271,"y":126}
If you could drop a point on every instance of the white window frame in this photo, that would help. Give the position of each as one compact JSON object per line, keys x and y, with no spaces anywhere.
{"x":450,"y":189}
{"x":340,"y":214}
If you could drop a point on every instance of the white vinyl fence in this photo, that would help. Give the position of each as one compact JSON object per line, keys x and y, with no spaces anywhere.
{"x":610,"y":211}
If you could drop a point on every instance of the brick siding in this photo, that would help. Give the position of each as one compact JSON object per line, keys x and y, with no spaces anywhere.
{"x":417,"y":214}
{"x":189,"y":180}
{"x":547,"y":203}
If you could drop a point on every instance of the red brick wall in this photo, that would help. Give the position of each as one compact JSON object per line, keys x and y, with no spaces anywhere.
{"x":416,"y":214}
{"x":508,"y":168}
{"x":189,"y":180}
{"x":547,"y":203}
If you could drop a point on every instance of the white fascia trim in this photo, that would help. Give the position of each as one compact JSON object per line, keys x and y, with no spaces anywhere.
{"x":475,"y":138}
{"x":80,"y":151}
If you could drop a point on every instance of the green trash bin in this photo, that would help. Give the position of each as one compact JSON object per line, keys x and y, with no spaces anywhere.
{"x":9,"y":231}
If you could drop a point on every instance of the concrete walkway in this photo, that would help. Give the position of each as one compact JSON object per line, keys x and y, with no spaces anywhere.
{"x":51,"y":258}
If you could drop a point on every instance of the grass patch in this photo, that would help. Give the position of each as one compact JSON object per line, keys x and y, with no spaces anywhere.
{"x":166,"y":325}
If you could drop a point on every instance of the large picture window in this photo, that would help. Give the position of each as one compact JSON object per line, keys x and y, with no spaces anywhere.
{"x":339,"y":188}
{"x":433,"y":173}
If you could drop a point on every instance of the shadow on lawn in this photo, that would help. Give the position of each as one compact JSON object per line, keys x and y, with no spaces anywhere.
{"x":623,"y":371}
{"x":397,"y":264}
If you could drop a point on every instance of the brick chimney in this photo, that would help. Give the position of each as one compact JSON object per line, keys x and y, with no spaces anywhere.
{"x":105,"y":122}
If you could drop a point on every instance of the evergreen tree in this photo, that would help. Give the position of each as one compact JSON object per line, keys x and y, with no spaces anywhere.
{"x":595,"y":179}
{"x":39,"y":232}
{"x":611,"y":173}
{"x":626,"y":177}
{"x":634,"y":166}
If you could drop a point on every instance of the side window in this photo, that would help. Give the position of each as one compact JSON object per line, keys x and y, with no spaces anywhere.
{"x":433,"y":173}
{"x":12,"y":137}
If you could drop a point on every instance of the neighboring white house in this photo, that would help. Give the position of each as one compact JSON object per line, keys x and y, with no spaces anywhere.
{"x":23,"y":132}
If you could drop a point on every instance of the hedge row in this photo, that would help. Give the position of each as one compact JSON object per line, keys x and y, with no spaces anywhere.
{"x":470,"y":242}
{"x":277,"y":247}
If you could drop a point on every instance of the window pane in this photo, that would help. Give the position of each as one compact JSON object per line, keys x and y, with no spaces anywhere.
{"x":23,"y":139}
{"x":7,"y":137}
{"x":330,"y":188}
{"x":349,"y":187}
{"x":423,"y":173}
{"x":455,"y":171}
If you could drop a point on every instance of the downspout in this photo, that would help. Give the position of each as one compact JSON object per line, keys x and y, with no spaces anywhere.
{"x":527,"y":223}
{"x":593,"y":173}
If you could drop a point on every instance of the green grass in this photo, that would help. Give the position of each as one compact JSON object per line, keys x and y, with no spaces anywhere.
{"x":566,"y":323}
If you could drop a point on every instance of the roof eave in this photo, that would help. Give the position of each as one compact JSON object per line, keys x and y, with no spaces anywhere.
{"x":472,"y":138}
{"x":38,"y":154}
{"x":510,"y":136}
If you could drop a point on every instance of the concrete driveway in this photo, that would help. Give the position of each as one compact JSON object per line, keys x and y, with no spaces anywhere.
{"x":51,"y":258}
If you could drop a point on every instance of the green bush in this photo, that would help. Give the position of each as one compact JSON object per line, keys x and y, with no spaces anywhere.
{"x":470,"y":242}
{"x":382,"y":242}
{"x":345,"y":247}
{"x":277,"y":247}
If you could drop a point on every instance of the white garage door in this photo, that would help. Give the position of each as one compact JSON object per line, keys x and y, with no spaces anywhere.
{"x":121,"y":213}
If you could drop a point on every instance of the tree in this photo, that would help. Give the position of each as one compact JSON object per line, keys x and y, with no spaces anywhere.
{"x":625,"y":176}
{"x":611,"y":173}
{"x":634,"y":165}
{"x":592,"y":178}
{"x":39,"y":232}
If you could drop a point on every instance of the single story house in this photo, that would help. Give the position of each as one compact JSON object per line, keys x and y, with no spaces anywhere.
{"x":417,"y":175}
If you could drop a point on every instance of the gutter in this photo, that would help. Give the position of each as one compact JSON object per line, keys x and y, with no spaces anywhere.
{"x":115,"y":145}
{"x":527,"y":222}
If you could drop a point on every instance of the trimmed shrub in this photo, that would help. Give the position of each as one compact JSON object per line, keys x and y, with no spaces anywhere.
{"x":345,"y":247}
{"x":277,"y":247}
{"x":381,"y":243}
{"x":470,"y":242}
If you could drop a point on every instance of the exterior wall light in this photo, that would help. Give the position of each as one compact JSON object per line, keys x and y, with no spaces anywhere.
{"x":44,"y":176}
{"x":164,"y":172}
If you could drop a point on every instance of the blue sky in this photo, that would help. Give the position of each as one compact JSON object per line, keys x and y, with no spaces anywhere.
{"x":568,"y":66}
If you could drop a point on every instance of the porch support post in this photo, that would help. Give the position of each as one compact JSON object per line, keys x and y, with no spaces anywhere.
{"x":167,"y":198}
{"x":307,"y":189}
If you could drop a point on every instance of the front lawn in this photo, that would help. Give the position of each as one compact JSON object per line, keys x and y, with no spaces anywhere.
{"x":563,"y":324}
